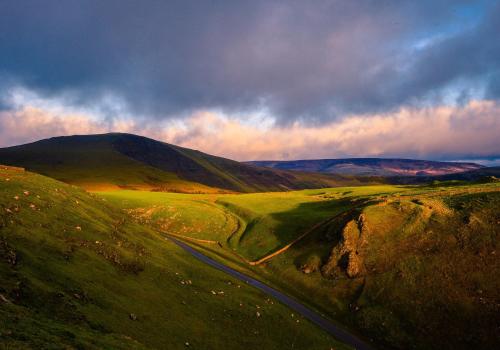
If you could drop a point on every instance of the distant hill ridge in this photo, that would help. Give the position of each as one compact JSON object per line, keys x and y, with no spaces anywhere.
{"x":371,"y":166}
{"x":119,"y":160}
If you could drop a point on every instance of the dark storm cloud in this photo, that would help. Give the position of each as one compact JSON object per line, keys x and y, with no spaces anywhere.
{"x":298,"y":59}
{"x":466,"y":58}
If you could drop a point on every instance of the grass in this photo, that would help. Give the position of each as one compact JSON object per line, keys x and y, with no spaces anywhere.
{"x":196,"y":216}
{"x":427,"y":255}
{"x":78,"y":273}
{"x":275,"y":219}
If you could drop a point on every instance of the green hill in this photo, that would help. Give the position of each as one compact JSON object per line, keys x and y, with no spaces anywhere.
{"x":79,"y":274}
{"x":130,"y":161}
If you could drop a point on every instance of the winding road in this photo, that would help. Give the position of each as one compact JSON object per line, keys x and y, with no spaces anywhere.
{"x":337,"y":332}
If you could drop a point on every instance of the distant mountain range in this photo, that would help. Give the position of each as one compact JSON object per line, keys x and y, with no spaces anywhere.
{"x":371,"y":166}
{"x":485,"y":174}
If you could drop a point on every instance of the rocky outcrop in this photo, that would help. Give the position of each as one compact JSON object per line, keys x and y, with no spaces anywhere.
{"x":347,"y":256}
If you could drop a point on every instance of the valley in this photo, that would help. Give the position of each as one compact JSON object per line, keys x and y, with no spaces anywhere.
{"x":249,"y":175}
{"x":128,"y":244}
{"x":378,"y":258}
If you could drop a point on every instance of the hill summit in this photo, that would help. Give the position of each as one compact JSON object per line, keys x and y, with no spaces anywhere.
{"x":118,"y":160}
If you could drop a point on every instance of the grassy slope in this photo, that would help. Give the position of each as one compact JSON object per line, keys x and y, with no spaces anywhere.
{"x":428,"y":264}
{"x":196,"y":216}
{"x":74,"y":269}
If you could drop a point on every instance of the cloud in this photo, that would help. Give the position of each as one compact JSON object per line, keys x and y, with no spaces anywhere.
{"x":301,"y":61}
{"x":467,"y":61}
{"x":30,"y":124}
{"x":438,"y":133}
{"x":442,"y":132}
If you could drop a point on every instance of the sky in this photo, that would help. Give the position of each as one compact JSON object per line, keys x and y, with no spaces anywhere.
{"x":258,"y":79}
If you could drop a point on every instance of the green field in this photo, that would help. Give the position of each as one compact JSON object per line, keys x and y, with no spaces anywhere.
{"x":78,"y":273}
{"x":196,"y":216}
{"x":407,"y":266}
{"x":252,"y":224}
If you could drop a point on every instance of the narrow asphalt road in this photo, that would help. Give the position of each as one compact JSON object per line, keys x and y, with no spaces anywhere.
{"x":314,"y":317}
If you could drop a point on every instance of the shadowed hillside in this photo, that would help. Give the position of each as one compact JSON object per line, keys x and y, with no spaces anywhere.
{"x":413,"y":270}
{"x":129,"y":161}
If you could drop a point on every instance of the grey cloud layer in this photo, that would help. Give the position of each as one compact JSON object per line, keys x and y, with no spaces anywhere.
{"x":298,"y":59}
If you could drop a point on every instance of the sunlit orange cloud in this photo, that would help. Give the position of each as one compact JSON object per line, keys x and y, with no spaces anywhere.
{"x":472,"y":130}
{"x":429,"y":132}
{"x":31,"y":124}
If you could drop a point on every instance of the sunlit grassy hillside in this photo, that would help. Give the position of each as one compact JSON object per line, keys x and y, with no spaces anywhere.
{"x":94,"y":163}
{"x":77,"y":273}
